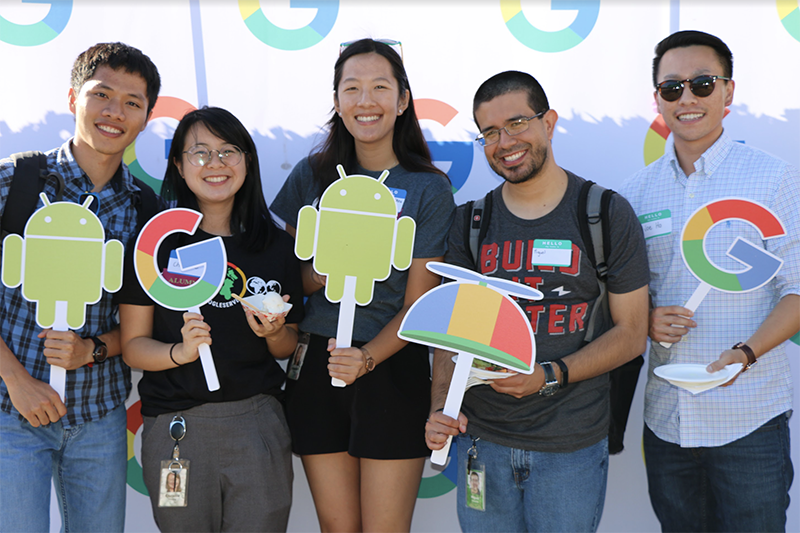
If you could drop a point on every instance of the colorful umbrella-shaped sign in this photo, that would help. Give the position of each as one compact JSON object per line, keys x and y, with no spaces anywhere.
{"x":476,"y":318}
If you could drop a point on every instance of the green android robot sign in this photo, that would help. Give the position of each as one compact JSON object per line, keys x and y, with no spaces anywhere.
{"x":63,"y":263}
{"x":354,"y":238}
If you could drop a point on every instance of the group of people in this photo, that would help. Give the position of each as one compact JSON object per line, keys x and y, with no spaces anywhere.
{"x":532,"y":449}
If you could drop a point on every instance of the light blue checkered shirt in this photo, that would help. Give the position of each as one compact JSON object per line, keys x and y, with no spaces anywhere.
{"x":727,"y":169}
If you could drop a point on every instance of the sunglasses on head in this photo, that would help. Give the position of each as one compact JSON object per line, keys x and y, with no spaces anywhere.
{"x":397,"y":46}
{"x":702,"y":86}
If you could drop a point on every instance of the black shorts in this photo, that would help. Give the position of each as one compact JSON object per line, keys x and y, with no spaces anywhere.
{"x":380,"y":416}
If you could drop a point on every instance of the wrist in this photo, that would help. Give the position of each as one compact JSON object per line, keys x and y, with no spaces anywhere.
{"x":369,"y":362}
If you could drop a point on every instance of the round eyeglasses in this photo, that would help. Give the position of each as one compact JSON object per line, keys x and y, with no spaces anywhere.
{"x":228,"y":155}
{"x":514,"y":128}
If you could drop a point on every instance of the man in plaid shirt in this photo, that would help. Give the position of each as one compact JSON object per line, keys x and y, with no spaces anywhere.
{"x":82,"y":440}
{"x":718,"y":460}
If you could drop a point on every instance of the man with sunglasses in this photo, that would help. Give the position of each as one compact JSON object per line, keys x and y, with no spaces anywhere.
{"x":539,"y":441}
{"x":79,"y":441}
{"x":718,"y":460}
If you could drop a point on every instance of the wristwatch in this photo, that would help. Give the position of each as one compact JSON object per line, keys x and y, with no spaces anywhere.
{"x":369,"y":362}
{"x":551,"y":385}
{"x":100,"y":353}
{"x":748,"y":351}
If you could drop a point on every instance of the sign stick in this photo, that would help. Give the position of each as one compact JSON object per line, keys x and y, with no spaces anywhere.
{"x":347,"y":314}
{"x":452,"y":405}
{"x":209,"y":370}
{"x":58,"y":374}
{"x":692,"y":304}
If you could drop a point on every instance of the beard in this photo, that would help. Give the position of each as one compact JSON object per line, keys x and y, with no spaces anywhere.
{"x":525,"y":172}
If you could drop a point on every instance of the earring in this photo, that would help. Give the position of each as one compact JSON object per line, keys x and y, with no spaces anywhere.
{"x":399,"y":112}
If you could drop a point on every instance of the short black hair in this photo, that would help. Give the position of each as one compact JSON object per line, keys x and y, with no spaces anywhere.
{"x":509,"y":82}
{"x":686,"y":38}
{"x":117,"y":56}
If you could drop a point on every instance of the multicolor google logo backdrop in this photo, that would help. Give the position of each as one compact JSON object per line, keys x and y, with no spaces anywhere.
{"x":40,"y":32}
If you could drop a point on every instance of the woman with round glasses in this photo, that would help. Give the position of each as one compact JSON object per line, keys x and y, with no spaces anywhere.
{"x":236,"y":438}
{"x":362,"y":446}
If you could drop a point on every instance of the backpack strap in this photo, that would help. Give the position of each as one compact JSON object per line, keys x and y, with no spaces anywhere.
{"x":30,"y":177}
{"x":476,"y":226}
{"x":593,"y":212}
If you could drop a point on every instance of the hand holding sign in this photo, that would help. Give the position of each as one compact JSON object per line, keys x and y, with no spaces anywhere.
{"x":73,"y":236}
{"x":355,"y":238}
{"x":209,"y":254}
{"x":475,"y":317}
{"x":761,"y":265}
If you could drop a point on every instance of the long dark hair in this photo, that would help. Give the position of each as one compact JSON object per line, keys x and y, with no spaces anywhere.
{"x":339,"y":146}
{"x":251,"y":222}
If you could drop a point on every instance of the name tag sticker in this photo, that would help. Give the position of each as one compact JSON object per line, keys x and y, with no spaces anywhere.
{"x":656,"y":224}
{"x":399,"y":199}
{"x":552,"y":252}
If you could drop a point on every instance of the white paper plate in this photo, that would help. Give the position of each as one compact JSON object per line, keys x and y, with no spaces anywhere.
{"x":255,"y":304}
{"x":681,"y":374}
{"x":487,"y":374}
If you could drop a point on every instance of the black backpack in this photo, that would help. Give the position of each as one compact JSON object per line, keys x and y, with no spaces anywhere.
{"x":593,"y":207}
{"x":30,"y":176}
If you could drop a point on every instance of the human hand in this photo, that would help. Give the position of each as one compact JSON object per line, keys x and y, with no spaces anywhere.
{"x":35,"y":400}
{"x":194,"y":332}
{"x":66,"y":349}
{"x":729,"y":357}
{"x":262,"y":325}
{"x":520,"y":385}
{"x":670,"y":323}
{"x":347,"y":364}
{"x":440,"y":427}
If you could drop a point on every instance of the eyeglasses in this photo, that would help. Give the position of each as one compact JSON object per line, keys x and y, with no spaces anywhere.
{"x":229,"y":155}
{"x":702,"y":86}
{"x":515,"y":128}
{"x":397,"y":46}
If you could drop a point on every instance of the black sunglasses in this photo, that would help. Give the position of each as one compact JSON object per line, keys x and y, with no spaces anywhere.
{"x":702,"y":86}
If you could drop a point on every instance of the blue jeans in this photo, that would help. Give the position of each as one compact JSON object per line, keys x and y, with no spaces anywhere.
{"x":534,"y":491}
{"x":87,"y":462}
{"x":741,"y":486}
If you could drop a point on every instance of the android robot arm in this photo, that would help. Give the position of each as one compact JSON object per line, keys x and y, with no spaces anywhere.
{"x":12,"y":260}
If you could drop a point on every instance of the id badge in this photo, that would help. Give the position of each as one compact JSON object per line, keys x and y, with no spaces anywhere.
{"x":174,"y":482}
{"x":476,"y":486}
{"x":299,"y":356}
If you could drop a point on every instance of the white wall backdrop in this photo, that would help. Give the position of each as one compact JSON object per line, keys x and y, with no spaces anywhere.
{"x":271,"y":64}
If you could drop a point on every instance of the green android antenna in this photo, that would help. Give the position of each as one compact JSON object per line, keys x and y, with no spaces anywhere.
{"x":71,"y":236}
{"x":355,"y":238}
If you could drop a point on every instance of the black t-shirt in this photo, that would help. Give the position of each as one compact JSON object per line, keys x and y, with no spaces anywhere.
{"x":244,"y":365}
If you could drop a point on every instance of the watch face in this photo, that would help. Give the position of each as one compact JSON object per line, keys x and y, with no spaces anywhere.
{"x":100,"y":353}
{"x":370,"y":364}
{"x":549,"y":390}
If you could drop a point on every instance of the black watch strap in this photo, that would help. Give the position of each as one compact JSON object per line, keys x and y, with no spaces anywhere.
{"x":564,"y":372}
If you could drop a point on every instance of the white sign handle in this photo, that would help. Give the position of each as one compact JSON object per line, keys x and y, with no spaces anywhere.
{"x":58,"y":374}
{"x":207,"y":361}
{"x":347,"y":314}
{"x":692,"y":304}
{"x":452,"y":405}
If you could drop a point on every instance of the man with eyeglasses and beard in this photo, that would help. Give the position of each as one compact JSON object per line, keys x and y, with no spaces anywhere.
{"x":718,"y":460}
{"x":540,"y":441}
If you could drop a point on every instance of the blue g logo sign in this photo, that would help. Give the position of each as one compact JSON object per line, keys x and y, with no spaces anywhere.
{"x":40,"y":32}
{"x":551,"y":41}
{"x":284,"y":39}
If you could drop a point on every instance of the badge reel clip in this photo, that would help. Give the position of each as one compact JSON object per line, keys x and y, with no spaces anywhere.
{"x":174,"y":472}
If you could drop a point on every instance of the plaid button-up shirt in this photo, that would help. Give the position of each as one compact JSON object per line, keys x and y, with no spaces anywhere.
{"x":90,"y":392}
{"x":727,"y":169}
